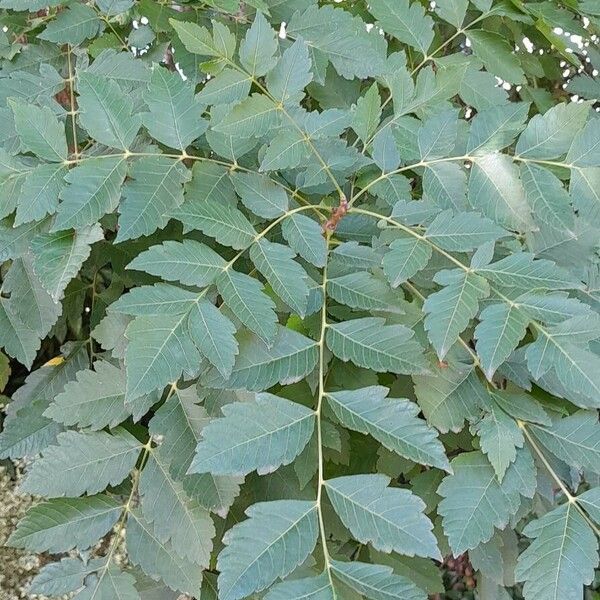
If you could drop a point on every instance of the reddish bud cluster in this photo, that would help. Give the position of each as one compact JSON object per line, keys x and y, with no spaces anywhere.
{"x":339,"y":212}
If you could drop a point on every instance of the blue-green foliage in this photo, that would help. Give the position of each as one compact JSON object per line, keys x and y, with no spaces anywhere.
{"x":320,"y":289}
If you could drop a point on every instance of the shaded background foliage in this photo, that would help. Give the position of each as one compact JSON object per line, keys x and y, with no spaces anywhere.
{"x":257,"y":253}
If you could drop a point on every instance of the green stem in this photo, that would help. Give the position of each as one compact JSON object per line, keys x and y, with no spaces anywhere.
{"x":318,"y":415}
{"x":183,"y":156}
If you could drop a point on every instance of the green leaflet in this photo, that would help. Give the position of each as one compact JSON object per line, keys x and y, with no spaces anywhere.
{"x":452,"y":11}
{"x":375,"y":581}
{"x":496,"y":127}
{"x":96,"y":399}
{"x":29,"y":301}
{"x":13,"y":174}
{"x":369,"y":343}
{"x":244,"y":296}
{"x":480,"y":90}
{"x":583,"y":151}
{"x":275,"y":539}
{"x":114,"y":7}
{"x":521,"y":406}
{"x":94,"y":190}
{"x":405,"y":21}
{"x":210,"y":206}
{"x":462,"y":232}
{"x":120,"y":66}
{"x":66,"y":469}
{"x":213,"y":334}
{"x":109,"y":333}
{"x":175,"y":116}
{"x":562,"y":556}
{"x":64,"y":576}
{"x":33,"y":432}
{"x":65,"y":523}
{"x":340,"y":38}
{"x":105,"y":112}
{"x":258,"y":47}
{"x":393,"y":422}
{"x":157,"y":558}
{"x":287,"y":278}
{"x":590,"y":501}
{"x":523,"y":271}
{"x":270,"y":432}
{"x":496,"y":190}
{"x":153,"y":192}
{"x":313,"y":588}
{"x":291,"y":75}
{"x":450,"y":310}
{"x":470,"y":515}
{"x":14,"y":241}
{"x":287,"y":150}
{"x":551,"y":134}
{"x":290,"y":358}
{"x":253,"y":117}
{"x":446,"y":184}
{"x":189,"y":262}
{"x":110,"y":582}
{"x":500,"y":330}
{"x":305,"y":237}
{"x":20,"y":341}
{"x":157,"y":299}
{"x":180,"y":420}
{"x":40,"y":131}
{"x":363,"y":291}
{"x":385,"y":152}
{"x":407,"y":256}
{"x":367,"y":114}
{"x":227,"y":87}
{"x":547,"y":197}
{"x":159,"y":351}
{"x":32,"y":86}
{"x":196,"y":39}
{"x":500,"y":436}
{"x":30,"y":433}
{"x":260,"y":195}
{"x":39,"y":193}
{"x":388,"y":518}
{"x":57,"y":257}
{"x":496,"y":54}
{"x":72,"y":26}
{"x":437,"y":135}
{"x":573,"y":439}
{"x":573,"y":364}
{"x":175,"y":515}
